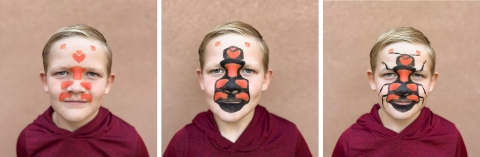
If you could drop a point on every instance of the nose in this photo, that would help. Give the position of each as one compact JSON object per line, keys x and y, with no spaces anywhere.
{"x":231,"y":87}
{"x":76,"y":87}
{"x":403,"y":91}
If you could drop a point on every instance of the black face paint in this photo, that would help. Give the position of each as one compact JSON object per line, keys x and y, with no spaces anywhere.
{"x":403,"y":92}
{"x":231,"y":91}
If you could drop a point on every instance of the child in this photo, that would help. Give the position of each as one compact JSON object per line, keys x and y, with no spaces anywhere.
{"x":233,"y":73}
{"x":77,"y":63}
{"x":402,"y":75}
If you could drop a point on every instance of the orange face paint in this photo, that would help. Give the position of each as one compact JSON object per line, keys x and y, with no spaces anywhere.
{"x":247,"y":44}
{"x":221,"y":83}
{"x":404,"y":75}
{"x":63,"y":46}
{"x":233,"y":53}
{"x":77,"y":72}
{"x":217,"y":43}
{"x":243,"y":96}
{"x":87,"y":97}
{"x":86,"y":85}
{"x":412,"y":87}
{"x":78,"y":56}
{"x":413,"y":98}
{"x":92,"y":48}
{"x":242,"y":83}
{"x":406,"y":60}
{"x":66,"y":84}
{"x":64,"y":95}
{"x":232,"y":69}
{"x":391,"y":97}
{"x":417,"y":52}
{"x":219,"y":95}
{"x":394,"y":86}
{"x":390,"y":51}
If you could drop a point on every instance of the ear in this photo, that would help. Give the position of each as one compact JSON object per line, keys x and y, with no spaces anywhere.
{"x":200,"y":79}
{"x":371,"y":80}
{"x":432,"y":82}
{"x":110,"y":80}
{"x":267,"y":78}
{"x":43,"y":78}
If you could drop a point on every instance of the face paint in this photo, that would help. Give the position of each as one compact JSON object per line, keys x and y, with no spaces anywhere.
{"x":403,"y":93}
{"x":87,"y":97}
{"x":77,"y":72}
{"x":231,"y":91}
{"x":247,"y":44}
{"x":63,"y":46}
{"x":217,"y":43}
{"x":78,"y":56}
{"x":64,"y":95}
{"x":86,"y":85}
{"x":92,"y":48}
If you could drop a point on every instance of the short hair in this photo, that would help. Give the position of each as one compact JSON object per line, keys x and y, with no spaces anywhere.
{"x":235,"y":27}
{"x":401,"y":34}
{"x":77,"y":30}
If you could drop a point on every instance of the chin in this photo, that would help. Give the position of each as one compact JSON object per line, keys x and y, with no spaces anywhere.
{"x":75,"y":114}
{"x":231,"y":117}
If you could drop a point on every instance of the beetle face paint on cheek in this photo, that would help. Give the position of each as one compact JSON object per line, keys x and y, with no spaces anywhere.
{"x":403,"y":93}
{"x":231,"y":91}
{"x":77,"y":72}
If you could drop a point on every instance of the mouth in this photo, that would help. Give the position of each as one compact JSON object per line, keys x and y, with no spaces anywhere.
{"x":75,"y":102}
{"x":402,"y":102}
{"x":231,"y":101}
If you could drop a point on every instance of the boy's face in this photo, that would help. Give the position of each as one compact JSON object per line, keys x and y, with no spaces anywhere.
{"x":403,"y":79}
{"x":76,"y":78}
{"x":233,"y":76}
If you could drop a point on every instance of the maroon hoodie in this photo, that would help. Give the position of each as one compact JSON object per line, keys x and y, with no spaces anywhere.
{"x":428,"y":135}
{"x":266,"y":135}
{"x":105,"y":135}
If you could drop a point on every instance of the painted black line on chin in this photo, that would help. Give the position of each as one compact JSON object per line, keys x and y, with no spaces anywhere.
{"x":232,"y":107}
{"x":403,"y":108}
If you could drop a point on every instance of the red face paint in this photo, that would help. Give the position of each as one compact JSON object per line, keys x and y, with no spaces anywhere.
{"x":221,"y":83}
{"x":92,"y":47}
{"x":233,"y":53}
{"x":64,"y":95}
{"x":63,"y":46}
{"x":217,"y":43}
{"x":232,"y":69}
{"x":66,"y":84}
{"x":87,"y":97}
{"x":78,"y":56}
{"x":247,"y":44}
{"x":77,"y":72}
{"x":219,"y":95}
{"x":86,"y":85}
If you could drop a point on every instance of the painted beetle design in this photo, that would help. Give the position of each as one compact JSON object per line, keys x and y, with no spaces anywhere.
{"x":403,"y":88}
{"x":231,"y":91}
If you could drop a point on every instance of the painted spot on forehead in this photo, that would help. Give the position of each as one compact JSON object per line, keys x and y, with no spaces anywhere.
{"x":217,"y":43}
{"x":247,"y":44}
{"x":233,"y":53}
{"x":79,"y":56}
{"x":77,"y":72}
{"x":86,"y":85}
{"x":93,"y":48}
{"x":66,"y":84}
{"x":63,"y":46}
{"x":417,"y":52}
{"x":64,"y":95}
{"x":390,"y":51}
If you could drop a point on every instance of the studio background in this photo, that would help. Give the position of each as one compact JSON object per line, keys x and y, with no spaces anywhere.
{"x":350,"y":28}
{"x":130,"y":29}
{"x":290,"y":28}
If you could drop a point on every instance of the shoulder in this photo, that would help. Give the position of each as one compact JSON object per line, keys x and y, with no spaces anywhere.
{"x":179,"y":142}
{"x":120,"y":127}
{"x":443,"y":125}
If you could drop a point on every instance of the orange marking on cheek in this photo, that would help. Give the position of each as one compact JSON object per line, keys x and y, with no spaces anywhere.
{"x":232,"y":69}
{"x":217,"y":43}
{"x":233,"y":53}
{"x":86,"y":85}
{"x":412,"y":87}
{"x":390,"y":51}
{"x":63,"y":46}
{"x":66,"y":84}
{"x":394,"y":86}
{"x":87,"y":97}
{"x":406,"y":60}
{"x":391,"y":97}
{"x":64,"y":95}
{"x":219,"y":95}
{"x":243,"y":96}
{"x":78,"y":56}
{"x":404,"y":75}
{"x":93,"y":48}
{"x":413,"y":98}
{"x":242,"y":83}
{"x":221,"y":83}
{"x":247,"y":44}
{"x":417,"y":52}
{"x":77,"y":72}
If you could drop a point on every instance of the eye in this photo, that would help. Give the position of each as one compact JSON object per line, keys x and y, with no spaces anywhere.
{"x":417,"y":75}
{"x":248,"y":71}
{"x":92,"y":74}
{"x":389,"y":74}
{"x":61,"y":73}
{"x":217,"y":71}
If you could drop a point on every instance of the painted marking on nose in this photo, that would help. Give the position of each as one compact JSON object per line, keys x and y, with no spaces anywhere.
{"x":232,"y":69}
{"x":77,"y":72}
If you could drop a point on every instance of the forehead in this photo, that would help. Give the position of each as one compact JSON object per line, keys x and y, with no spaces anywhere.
{"x":417,"y":51}
{"x":75,"y":42}
{"x":77,"y":50}
{"x":249,"y":45}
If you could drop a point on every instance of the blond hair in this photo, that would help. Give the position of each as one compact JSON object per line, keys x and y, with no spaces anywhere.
{"x":401,"y":34}
{"x":235,"y":27}
{"x":77,"y":30}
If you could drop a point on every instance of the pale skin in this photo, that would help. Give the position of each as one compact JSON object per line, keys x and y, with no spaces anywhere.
{"x":390,"y":117}
{"x":232,"y":125}
{"x":73,"y":112}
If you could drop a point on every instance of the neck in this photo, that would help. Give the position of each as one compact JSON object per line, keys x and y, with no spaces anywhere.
{"x":396,"y":125}
{"x":70,"y":126}
{"x":233,"y":130}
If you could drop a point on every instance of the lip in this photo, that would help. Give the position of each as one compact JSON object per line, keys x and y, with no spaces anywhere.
{"x":75,"y":102}
{"x":402,"y":102}
{"x":231,"y":101}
